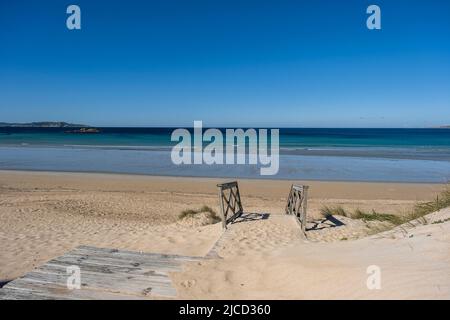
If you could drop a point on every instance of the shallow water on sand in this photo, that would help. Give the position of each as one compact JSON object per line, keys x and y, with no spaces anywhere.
{"x":158,"y":162}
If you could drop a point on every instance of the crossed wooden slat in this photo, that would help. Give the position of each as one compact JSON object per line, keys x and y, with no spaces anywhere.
{"x":231,"y":206}
{"x":297,"y":203}
{"x":229,"y":201}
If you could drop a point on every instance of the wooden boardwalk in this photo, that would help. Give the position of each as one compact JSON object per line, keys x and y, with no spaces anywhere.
{"x":105,"y":274}
{"x":115,"y":274}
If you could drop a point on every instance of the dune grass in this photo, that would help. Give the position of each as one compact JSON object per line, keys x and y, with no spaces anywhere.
{"x":442,"y":201}
{"x":441,"y":221}
{"x":204,"y":209}
{"x":418,"y":212}
{"x":327,"y":211}
{"x":360,"y":214}
{"x":377,"y":216}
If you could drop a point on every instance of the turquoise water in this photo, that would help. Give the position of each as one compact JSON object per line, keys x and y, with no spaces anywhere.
{"x":409,"y":155}
{"x":289,"y":138}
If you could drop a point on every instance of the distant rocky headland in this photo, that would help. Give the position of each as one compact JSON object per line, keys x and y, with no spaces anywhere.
{"x":84,"y":130}
{"x":44,"y":124}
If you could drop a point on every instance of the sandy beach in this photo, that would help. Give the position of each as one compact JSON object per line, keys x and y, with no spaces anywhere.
{"x":45,"y":214}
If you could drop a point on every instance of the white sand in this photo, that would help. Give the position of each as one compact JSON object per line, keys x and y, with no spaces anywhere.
{"x":268,"y":259}
{"x":43,"y":215}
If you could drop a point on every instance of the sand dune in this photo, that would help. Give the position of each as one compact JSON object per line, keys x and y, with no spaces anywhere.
{"x":267,"y":259}
{"x":43,"y":215}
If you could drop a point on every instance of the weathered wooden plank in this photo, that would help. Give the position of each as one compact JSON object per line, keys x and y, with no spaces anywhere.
{"x":137,"y":255}
{"x":90,"y":267}
{"x":107,"y":278}
{"x":44,"y":291}
{"x":112,"y":283}
{"x":117,"y":255}
{"x":227,"y":185}
{"x":13,"y":294}
{"x":93,"y":281}
{"x":124,"y":258}
{"x":115,"y":261}
{"x":61,"y":270}
{"x":105,"y":274}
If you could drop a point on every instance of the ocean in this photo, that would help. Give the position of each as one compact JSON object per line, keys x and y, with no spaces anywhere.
{"x":385,"y":155}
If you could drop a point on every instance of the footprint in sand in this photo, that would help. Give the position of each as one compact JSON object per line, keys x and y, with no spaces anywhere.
{"x":188,"y":283}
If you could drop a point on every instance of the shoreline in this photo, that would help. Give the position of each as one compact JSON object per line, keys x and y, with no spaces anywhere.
{"x":259,"y":178}
{"x":367,"y":189}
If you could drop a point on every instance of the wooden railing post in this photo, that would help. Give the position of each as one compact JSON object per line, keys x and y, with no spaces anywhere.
{"x":222,"y":212}
{"x":232,"y":203}
{"x":297,"y":204}
{"x":304,"y":206}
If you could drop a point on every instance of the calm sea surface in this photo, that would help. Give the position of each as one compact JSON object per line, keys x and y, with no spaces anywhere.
{"x":403,"y":155}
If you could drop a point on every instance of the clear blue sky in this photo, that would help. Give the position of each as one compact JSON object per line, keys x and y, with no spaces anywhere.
{"x":226,"y":62}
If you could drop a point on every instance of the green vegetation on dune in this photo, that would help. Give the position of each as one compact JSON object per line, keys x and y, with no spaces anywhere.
{"x":418,"y":212}
{"x":376,"y":216}
{"x":362,"y":215}
{"x":205,"y":209}
{"x":424,"y":208}
{"x":326,"y":211}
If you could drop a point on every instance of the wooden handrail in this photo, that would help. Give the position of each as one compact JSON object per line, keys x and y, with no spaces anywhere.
{"x":229,"y":202}
{"x":297,"y":204}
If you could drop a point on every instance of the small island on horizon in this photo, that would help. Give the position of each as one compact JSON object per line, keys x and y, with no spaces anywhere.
{"x":44,"y":124}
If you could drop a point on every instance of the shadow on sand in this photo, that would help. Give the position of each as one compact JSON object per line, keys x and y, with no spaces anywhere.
{"x":4,"y":282}
{"x":251,"y":216}
{"x":328,"y":222}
